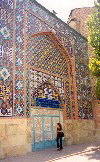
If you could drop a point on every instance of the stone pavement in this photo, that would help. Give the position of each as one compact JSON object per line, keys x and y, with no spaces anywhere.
{"x":75,"y":153}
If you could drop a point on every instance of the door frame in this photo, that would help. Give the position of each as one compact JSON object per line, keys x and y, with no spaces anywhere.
{"x":43,"y":144}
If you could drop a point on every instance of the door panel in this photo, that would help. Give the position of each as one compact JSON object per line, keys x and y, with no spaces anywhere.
{"x":47,"y":123}
{"x":38,"y":129}
{"x":47,"y":128}
{"x":47,"y":136}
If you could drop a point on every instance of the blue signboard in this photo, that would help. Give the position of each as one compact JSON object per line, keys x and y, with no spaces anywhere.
{"x":48,"y":103}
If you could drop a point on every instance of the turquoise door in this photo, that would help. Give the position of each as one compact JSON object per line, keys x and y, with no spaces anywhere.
{"x":44,"y":131}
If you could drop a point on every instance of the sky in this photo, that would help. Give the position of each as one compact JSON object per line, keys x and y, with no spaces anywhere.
{"x":64,"y":7}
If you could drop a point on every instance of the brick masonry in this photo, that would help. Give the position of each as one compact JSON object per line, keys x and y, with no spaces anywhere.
{"x":80,"y":16}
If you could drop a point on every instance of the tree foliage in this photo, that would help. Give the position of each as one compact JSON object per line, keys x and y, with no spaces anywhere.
{"x":93,"y":24}
{"x":97,"y":88}
{"x":94,"y":66}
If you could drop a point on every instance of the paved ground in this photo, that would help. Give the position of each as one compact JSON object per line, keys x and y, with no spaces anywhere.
{"x":73,"y":153}
{"x":92,"y":156}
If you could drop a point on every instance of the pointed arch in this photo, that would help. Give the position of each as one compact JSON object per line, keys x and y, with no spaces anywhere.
{"x":71,"y":71}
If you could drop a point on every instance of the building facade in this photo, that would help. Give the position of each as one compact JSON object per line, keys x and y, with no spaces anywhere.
{"x":44,"y":79}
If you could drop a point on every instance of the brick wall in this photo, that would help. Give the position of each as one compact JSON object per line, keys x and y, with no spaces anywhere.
{"x":80,"y":15}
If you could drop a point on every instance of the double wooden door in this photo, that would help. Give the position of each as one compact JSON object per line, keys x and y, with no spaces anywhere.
{"x":44,"y":131}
